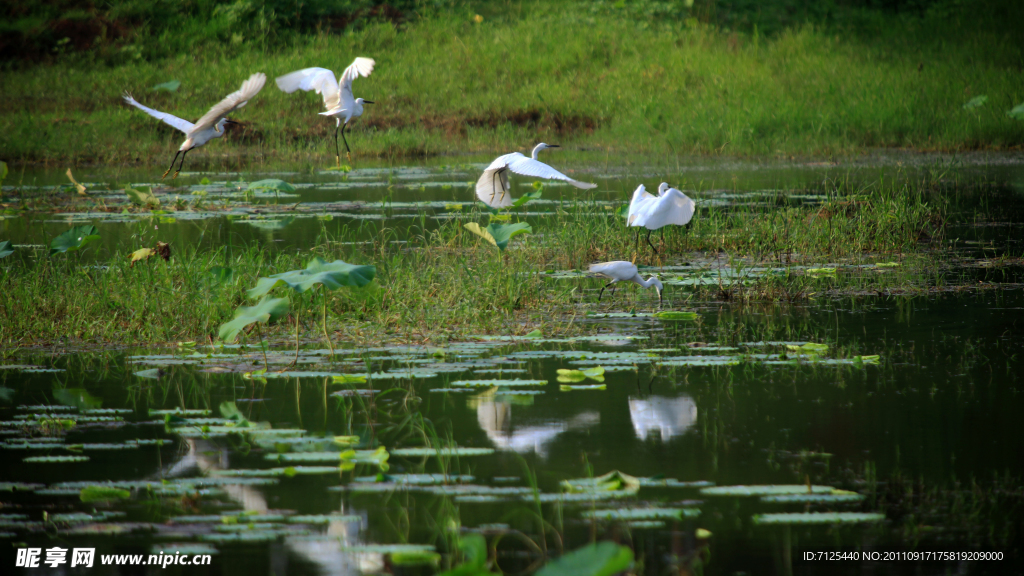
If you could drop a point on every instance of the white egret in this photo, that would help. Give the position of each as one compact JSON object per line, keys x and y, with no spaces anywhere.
{"x":492,"y":187}
{"x":211,"y":125}
{"x":622,"y":271}
{"x":338,"y":97}
{"x":670,"y":206}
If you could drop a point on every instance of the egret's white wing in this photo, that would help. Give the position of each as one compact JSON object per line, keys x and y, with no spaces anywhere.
{"x":673,"y":207}
{"x":319,"y":80}
{"x":233,"y":101}
{"x":636,"y":206}
{"x":169,"y":119}
{"x":616,"y":270}
{"x":529,"y":167}
{"x":359,"y":67}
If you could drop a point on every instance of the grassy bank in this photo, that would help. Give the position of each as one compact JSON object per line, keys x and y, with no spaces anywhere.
{"x":446,"y":283}
{"x":578,"y":74}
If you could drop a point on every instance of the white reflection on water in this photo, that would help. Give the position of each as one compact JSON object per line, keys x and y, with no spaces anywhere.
{"x":667,"y":416}
{"x":496,"y":420}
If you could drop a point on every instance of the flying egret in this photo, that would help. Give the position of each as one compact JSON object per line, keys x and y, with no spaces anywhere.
{"x":670,"y":206}
{"x":619,"y":271}
{"x":338,"y":98}
{"x":211,"y":125}
{"x":495,"y":177}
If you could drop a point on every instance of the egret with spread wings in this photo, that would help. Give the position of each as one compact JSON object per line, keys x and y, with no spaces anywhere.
{"x":622,"y":271}
{"x":670,"y":206}
{"x":338,"y":98}
{"x":492,"y":187}
{"x":211,"y":125}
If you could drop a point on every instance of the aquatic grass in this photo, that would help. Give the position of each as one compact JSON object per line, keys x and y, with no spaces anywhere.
{"x":442,"y":283}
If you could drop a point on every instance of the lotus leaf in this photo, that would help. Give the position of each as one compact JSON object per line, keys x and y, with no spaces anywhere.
{"x":976,"y":102}
{"x":330,"y":275}
{"x":74,"y":239}
{"x":499,"y":234}
{"x":266,"y":311}
{"x":600,"y":559}
{"x":170,"y":86}
{"x":6,"y":249}
{"x":142,"y":197}
{"x":272,"y":184}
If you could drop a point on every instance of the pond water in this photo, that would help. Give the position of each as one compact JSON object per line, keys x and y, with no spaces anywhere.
{"x":893,"y":421}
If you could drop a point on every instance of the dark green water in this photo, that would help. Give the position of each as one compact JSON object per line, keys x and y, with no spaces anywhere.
{"x":928,"y":435}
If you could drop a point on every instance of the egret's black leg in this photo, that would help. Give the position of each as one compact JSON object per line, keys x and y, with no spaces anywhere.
{"x":599,"y":294}
{"x":337,"y":151}
{"x":348,"y":151}
{"x":168,"y":171}
{"x":181,"y":165}
{"x":501,"y":182}
{"x":649,"y":242}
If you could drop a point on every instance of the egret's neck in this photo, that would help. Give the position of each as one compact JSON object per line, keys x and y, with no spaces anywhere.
{"x":652,"y":281}
{"x":537,"y":149}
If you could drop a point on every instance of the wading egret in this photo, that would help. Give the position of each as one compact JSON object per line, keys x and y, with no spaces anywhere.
{"x":338,"y":98}
{"x":211,"y":125}
{"x":670,"y":206}
{"x":492,"y":187}
{"x":622,"y":271}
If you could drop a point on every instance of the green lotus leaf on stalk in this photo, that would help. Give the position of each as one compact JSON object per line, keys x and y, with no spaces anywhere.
{"x":170,"y":86}
{"x":74,"y":239}
{"x":1017,"y":112}
{"x":499,"y":234}
{"x":600,"y":559}
{"x":6,"y":249}
{"x":330,"y":275}
{"x":536,"y":194}
{"x":272,"y":184}
{"x":266,"y":311}
{"x":142,"y":196}
{"x":976,"y":102}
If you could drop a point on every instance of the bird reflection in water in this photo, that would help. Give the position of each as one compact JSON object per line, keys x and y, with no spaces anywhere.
{"x":495,"y":417}
{"x":667,"y":416}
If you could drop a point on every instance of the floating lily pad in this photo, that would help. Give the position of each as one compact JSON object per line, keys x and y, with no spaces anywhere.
{"x":643,"y":514}
{"x":808,"y":518}
{"x":834,"y":497}
{"x":323,"y":518}
{"x":55,"y":459}
{"x":500,"y":383}
{"x":459,"y":451}
{"x":765,"y":490}
{"x":103,"y":494}
{"x":672,"y":315}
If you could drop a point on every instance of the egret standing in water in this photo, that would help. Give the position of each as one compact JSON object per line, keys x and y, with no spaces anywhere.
{"x":492,"y":187}
{"x":670,"y":206}
{"x":211,"y":125}
{"x":338,"y":97}
{"x":622,"y":271}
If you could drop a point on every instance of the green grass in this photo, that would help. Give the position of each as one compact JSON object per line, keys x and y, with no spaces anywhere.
{"x":446,"y":283}
{"x":579,"y":75}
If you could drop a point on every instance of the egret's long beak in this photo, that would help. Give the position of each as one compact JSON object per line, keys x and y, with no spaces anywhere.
{"x":368,"y":102}
{"x":553,"y":146}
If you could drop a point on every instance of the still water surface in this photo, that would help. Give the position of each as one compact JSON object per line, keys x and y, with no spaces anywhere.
{"x":928,"y":435}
